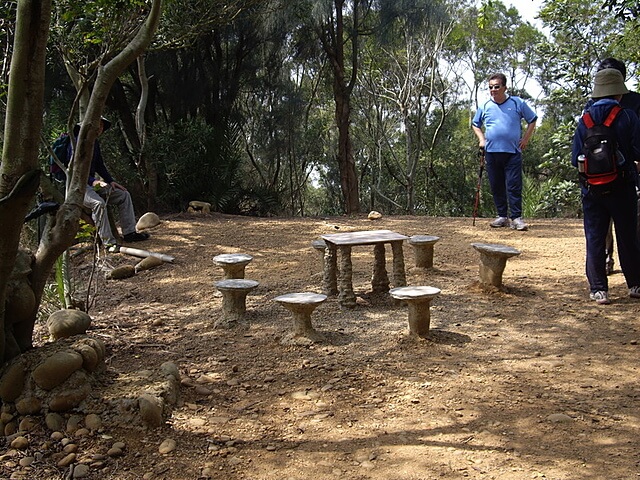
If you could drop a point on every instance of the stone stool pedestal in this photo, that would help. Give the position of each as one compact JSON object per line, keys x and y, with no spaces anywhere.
{"x":493,"y":260}
{"x":234,"y":297}
{"x":301,"y":305}
{"x":418,"y":299}
{"x":232,"y":264}
{"x":423,"y":249}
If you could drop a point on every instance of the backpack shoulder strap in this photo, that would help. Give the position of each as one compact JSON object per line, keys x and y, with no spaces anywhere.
{"x":588,"y":121}
{"x":613,"y":113}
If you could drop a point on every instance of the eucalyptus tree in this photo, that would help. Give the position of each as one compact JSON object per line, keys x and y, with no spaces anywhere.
{"x":492,"y":38}
{"x":21,"y":288}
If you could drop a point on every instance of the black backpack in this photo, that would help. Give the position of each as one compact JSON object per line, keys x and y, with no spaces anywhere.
{"x":600,"y":150}
{"x":61,"y":151}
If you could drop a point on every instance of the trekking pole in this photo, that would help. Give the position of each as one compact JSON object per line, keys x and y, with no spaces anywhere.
{"x":479,"y":186}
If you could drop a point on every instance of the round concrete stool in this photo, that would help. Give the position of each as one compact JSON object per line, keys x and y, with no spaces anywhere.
{"x":493,"y":260}
{"x":320,"y":246}
{"x":301,"y":305}
{"x":232,"y":264}
{"x":423,"y":249}
{"x":234,"y":297}
{"x":418,"y":299}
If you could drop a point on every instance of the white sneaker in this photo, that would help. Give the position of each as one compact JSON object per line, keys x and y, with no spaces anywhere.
{"x":500,"y":222}
{"x":601,"y":297}
{"x":518,"y":224}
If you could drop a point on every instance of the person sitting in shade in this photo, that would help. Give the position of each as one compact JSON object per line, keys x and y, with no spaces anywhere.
{"x":103,"y":190}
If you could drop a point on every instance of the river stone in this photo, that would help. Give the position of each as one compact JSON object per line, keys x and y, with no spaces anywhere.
{"x":150,"y":409}
{"x":148,"y":263}
{"x":68,"y":322}
{"x":93,"y":422}
{"x":97,"y":345}
{"x":119,"y":273}
{"x":56,"y":369}
{"x":12,"y":382}
{"x":28,"y":405}
{"x":27,"y":424}
{"x":80,"y":471}
{"x":170,"y":368}
{"x":20,"y":443}
{"x":90,"y":359}
{"x":54,"y":421}
{"x":70,"y":398}
{"x":167,"y":446}
{"x":148,"y":220}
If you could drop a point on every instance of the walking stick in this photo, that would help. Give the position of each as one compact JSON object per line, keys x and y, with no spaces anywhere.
{"x":479,"y":186}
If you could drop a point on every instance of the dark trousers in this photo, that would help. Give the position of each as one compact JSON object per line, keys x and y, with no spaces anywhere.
{"x":610,"y":245}
{"x":505,"y":178}
{"x":620,"y":206}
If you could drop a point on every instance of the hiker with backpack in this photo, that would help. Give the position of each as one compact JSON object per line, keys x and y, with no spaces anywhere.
{"x":606,"y":146}
{"x":629,"y":100}
{"x":102,"y":190}
{"x":502,"y":142}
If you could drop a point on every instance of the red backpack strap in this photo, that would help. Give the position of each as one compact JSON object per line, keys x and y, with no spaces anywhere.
{"x":612,"y":115}
{"x":588,"y":121}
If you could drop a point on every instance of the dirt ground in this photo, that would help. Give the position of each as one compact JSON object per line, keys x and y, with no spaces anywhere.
{"x":530,"y":381}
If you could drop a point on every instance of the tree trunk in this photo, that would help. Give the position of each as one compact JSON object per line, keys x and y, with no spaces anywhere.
{"x":19,"y":172}
{"x":346,"y":162}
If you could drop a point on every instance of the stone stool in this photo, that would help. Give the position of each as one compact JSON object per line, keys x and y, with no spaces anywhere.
{"x":234,"y":297}
{"x":301,"y":305}
{"x":418,"y":299}
{"x":233,"y":264}
{"x":423,"y":249}
{"x":493,"y":259}
{"x":320,"y":246}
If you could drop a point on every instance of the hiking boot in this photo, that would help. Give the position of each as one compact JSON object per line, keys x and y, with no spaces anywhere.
{"x":518,"y":224}
{"x":634,"y":292}
{"x":500,"y":222}
{"x":602,"y":298}
{"x":136,"y":237}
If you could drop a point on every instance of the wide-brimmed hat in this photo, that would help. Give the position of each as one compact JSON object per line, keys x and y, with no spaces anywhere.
{"x":608,"y":82}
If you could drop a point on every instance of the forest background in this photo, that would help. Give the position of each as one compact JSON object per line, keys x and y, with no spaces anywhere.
{"x":270,"y":107}
{"x":324,"y":108}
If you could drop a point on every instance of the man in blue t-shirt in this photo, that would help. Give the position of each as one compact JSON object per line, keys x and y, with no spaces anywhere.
{"x":503,"y":142}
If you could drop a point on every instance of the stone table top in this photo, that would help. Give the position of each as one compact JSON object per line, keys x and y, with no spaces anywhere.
{"x":236,"y":284}
{"x":366,"y":237}
{"x":414,"y":292}
{"x":496,"y":249}
{"x":422,"y":239}
{"x":232,"y":258}
{"x":302,"y":298}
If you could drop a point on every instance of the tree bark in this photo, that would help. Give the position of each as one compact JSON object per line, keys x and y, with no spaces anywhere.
{"x":19,"y":172}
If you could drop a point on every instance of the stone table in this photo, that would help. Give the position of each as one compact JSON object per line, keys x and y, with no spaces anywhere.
{"x":340,"y":279}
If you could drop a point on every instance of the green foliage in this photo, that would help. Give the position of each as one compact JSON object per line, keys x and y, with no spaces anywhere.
{"x":550,"y":198}
{"x":197,"y":163}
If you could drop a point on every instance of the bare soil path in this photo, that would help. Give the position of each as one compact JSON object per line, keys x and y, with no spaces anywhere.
{"x":531,"y":381}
